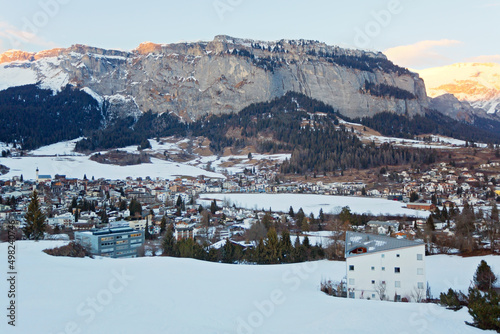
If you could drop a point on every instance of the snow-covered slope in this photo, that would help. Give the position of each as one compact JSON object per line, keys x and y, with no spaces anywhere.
{"x":171,"y":295}
{"x":476,"y":83}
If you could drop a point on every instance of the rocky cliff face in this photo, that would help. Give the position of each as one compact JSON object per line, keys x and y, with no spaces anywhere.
{"x":221,"y":76}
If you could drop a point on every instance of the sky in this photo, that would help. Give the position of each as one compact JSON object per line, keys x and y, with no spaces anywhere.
{"x":413,"y":34}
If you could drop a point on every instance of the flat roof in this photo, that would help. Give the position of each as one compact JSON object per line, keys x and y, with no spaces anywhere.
{"x":374,"y":243}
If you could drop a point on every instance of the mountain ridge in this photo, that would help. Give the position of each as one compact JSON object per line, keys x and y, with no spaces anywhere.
{"x":477,"y":84}
{"x":224,"y":75}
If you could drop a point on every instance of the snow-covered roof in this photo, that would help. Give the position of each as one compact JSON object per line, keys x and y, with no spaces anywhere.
{"x":371,"y":243}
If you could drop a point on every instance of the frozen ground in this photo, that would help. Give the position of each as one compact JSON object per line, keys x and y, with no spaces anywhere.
{"x":78,"y":166}
{"x":171,"y":295}
{"x":313,"y":203}
{"x":60,"y":158}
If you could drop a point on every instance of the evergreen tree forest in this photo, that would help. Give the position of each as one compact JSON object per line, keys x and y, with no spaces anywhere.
{"x":295,"y":123}
{"x":33,"y":117}
{"x":272,"y":249}
{"x":401,"y":126}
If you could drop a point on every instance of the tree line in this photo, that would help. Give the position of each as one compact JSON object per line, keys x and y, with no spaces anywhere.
{"x":272,"y":249}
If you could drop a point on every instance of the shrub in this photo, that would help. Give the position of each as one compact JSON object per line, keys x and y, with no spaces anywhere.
{"x":453,"y":300}
{"x":73,"y":249}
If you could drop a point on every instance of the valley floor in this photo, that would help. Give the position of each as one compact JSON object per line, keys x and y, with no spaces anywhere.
{"x":175,"y":295}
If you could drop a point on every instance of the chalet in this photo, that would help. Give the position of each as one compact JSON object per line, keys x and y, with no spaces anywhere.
{"x":384,"y":268}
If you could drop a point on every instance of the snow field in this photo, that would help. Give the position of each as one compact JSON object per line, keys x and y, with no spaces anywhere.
{"x":313,"y":203}
{"x":172,"y":295}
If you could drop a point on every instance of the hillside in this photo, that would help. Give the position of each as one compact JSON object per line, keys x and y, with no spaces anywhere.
{"x":172,"y":295}
{"x":220,"y":76}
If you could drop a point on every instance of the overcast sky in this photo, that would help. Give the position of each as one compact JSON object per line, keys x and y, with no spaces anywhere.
{"x":415,"y":34}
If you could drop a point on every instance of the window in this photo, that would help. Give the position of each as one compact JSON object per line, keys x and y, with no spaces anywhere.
{"x":398,"y":298}
{"x":135,"y":235}
{"x":420,"y":285}
{"x":420,"y":271}
{"x":397,"y":284}
{"x":382,"y":255}
{"x":373,"y":295}
{"x":351,"y":281}
{"x":106,"y":238}
{"x":351,"y":268}
{"x":373,"y":268}
{"x":373,"y":281}
{"x":397,"y":270}
{"x":397,"y":255}
{"x":383,"y":268}
{"x":420,"y":257}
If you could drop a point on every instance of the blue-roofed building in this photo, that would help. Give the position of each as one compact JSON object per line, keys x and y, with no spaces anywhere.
{"x":112,"y":242}
{"x":385,"y":268}
{"x":42,"y":177}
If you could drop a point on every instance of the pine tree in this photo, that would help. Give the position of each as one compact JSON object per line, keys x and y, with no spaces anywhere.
{"x":260,"y":252}
{"x":213,"y":207}
{"x":163,"y":224}
{"x":135,"y":207}
{"x":286,"y":247}
{"x":296,"y":253}
{"x":228,"y":252}
{"x":429,"y":224}
{"x":484,"y":278}
{"x":147,"y":234}
{"x":272,"y":247}
{"x":484,"y":309}
{"x":35,"y":219}
{"x":169,"y":243}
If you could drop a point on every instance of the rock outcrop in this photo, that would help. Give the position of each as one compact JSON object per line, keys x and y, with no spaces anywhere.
{"x":221,"y":76}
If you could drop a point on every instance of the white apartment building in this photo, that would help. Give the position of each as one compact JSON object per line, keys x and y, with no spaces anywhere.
{"x":384,"y":268}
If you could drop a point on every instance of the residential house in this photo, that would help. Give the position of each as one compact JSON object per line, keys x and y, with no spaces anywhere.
{"x":384,"y":268}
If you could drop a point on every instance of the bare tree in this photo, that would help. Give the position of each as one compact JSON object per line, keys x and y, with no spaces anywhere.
{"x":381,"y":289}
{"x":418,"y":294}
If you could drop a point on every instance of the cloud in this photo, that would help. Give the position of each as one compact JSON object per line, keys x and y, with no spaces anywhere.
{"x":421,"y":54}
{"x":14,"y":38}
{"x":484,"y":59}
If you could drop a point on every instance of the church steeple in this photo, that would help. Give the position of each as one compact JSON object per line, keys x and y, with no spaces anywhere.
{"x":37,"y":174}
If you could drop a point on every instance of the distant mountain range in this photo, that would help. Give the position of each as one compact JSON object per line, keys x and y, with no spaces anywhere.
{"x":476,"y":84}
{"x":93,"y":89}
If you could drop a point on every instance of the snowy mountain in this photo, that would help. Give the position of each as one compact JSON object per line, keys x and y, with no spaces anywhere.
{"x":220,"y":76}
{"x":475,"y":83}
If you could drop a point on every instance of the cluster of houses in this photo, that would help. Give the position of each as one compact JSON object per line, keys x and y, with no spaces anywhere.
{"x":158,"y":197}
